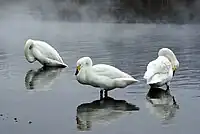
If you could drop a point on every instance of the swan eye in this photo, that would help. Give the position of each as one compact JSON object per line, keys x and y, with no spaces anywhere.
{"x":31,"y":47}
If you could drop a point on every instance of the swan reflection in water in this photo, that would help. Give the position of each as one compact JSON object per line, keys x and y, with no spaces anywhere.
{"x":101,"y":111}
{"x":42,"y":78}
{"x":161,"y":103}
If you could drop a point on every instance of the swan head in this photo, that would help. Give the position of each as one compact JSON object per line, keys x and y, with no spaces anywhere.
{"x":171,"y":57}
{"x":83,"y":62}
{"x":27,"y":51}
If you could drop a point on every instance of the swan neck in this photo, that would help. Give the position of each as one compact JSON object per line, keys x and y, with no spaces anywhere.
{"x":170,"y":56}
{"x":173,"y":60}
{"x":87,"y":67}
{"x":27,"y":51}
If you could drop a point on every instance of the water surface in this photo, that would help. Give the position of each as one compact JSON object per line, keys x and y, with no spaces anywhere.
{"x":56,"y":103}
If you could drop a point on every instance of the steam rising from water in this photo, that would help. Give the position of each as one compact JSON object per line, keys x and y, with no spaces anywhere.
{"x":55,"y":10}
{"x":97,"y":11}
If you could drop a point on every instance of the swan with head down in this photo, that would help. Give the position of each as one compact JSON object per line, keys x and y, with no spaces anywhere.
{"x":102,"y":76}
{"x":42,"y":52}
{"x":161,"y":70}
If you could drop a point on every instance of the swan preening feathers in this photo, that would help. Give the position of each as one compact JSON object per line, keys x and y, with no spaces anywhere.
{"x":161,"y":70}
{"x":42,"y":52}
{"x":102,"y":76}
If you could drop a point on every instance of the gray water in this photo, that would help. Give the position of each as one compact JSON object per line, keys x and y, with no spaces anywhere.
{"x":52,"y":101}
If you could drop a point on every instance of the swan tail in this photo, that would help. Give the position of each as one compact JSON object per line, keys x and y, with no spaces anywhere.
{"x":123,"y":82}
{"x":63,"y":65}
{"x":151,"y":77}
{"x":157,"y":78}
{"x":148,"y":74}
{"x":54,"y":63}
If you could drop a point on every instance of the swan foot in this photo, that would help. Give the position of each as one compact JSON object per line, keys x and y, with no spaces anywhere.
{"x":174,"y":103}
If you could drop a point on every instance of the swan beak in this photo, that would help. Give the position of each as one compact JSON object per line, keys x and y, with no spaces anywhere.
{"x":77,"y":69}
{"x":174,"y":69}
{"x":173,"y":73}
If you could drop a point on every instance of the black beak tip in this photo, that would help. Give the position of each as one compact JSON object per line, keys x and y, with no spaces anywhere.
{"x":173,"y":73}
{"x":76,"y":72}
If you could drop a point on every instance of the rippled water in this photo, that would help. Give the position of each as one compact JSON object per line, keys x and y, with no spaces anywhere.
{"x":52,"y":101}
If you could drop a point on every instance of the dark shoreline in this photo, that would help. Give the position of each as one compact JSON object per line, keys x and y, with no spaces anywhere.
{"x":108,"y":11}
{"x":130,"y":11}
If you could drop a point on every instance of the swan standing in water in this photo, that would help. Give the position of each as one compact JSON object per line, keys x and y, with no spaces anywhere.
{"x":102,"y":76}
{"x":42,"y":52}
{"x":160,"y":71}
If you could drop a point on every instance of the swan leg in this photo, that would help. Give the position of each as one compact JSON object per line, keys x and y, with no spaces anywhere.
{"x":105,"y":93}
{"x":167,"y":91}
{"x":101,"y":94}
{"x":173,"y":73}
{"x":174,"y":101}
{"x":167,"y":87}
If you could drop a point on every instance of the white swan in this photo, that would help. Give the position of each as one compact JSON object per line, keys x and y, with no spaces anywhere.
{"x":42,"y":52}
{"x":160,"y":71}
{"x":103,"y":76}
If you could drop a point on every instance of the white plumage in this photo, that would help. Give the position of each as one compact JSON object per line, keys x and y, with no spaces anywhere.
{"x":42,"y":52}
{"x":160,"y":71}
{"x":101,"y":75}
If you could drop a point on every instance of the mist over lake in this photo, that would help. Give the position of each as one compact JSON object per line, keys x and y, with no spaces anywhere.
{"x":48,"y":101}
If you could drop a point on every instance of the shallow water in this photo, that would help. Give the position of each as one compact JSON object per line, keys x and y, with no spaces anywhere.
{"x":55,"y":102}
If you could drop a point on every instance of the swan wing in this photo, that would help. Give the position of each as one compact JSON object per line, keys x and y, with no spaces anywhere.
{"x":158,"y":70}
{"x":48,"y":50}
{"x":109,"y":77}
{"x":45,"y":60}
{"x":47,"y":53}
{"x":109,"y":71}
{"x":108,"y":83}
{"x":105,"y":76}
